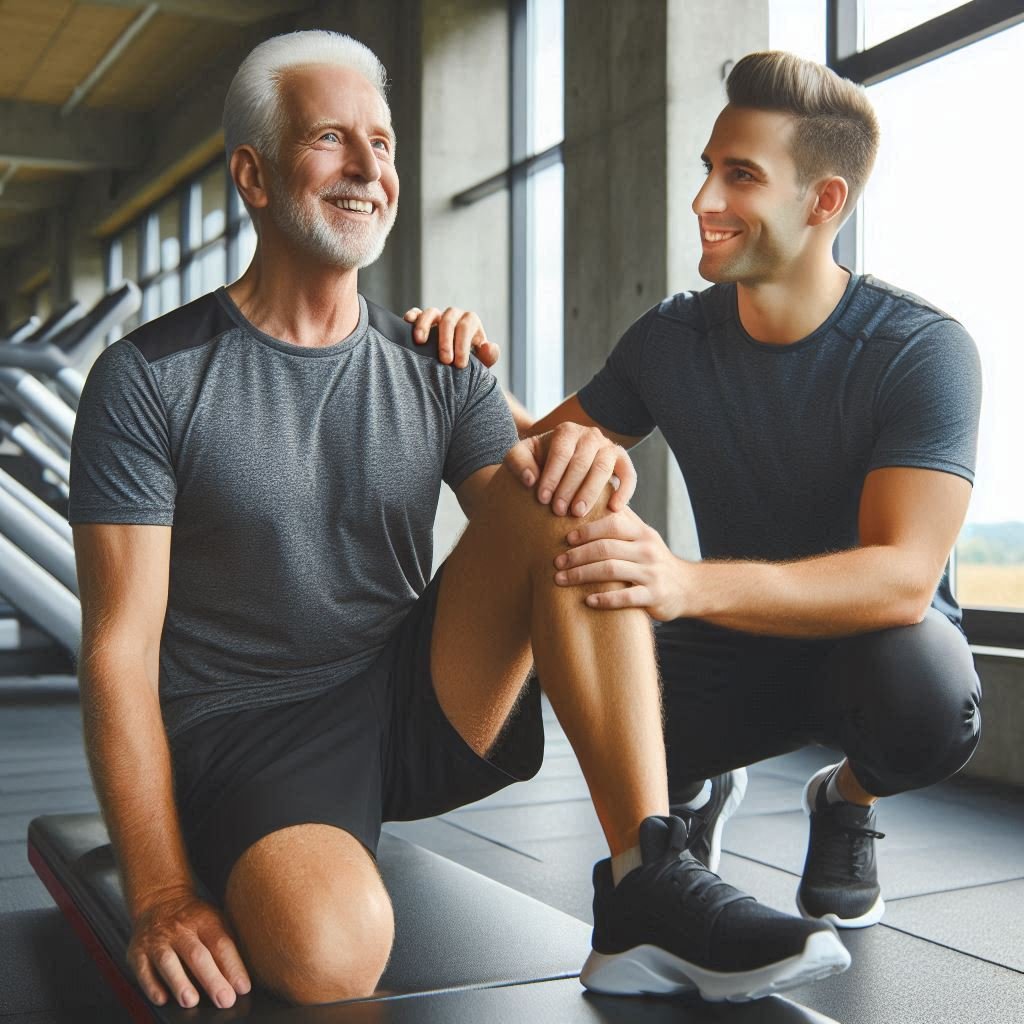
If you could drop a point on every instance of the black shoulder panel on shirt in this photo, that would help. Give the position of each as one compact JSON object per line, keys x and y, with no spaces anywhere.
{"x":395,"y":329}
{"x":189,"y":326}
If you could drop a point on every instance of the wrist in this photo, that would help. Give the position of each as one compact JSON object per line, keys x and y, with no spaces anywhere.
{"x":691,"y":599}
{"x":143,"y":901}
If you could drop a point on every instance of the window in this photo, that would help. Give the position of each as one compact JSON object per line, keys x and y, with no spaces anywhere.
{"x":535,"y":183}
{"x":189,"y":244}
{"x":930,"y":222}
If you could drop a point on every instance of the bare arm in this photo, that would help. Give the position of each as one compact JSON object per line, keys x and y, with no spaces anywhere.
{"x":909,"y":521}
{"x":123,"y":579}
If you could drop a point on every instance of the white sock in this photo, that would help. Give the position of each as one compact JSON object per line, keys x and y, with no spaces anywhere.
{"x":623,"y":863}
{"x":700,"y":799}
{"x":832,"y":794}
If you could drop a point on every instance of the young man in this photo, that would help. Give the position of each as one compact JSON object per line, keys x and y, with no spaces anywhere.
{"x":826,"y":425}
{"x":266,"y":672}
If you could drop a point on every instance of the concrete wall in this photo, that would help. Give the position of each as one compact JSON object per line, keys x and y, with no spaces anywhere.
{"x":1000,"y":754}
{"x":643,"y":85}
{"x":464,"y":140}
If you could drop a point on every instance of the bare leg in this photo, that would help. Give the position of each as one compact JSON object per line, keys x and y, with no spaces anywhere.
{"x":499,"y":608}
{"x":313,"y":918}
{"x":850,"y":789}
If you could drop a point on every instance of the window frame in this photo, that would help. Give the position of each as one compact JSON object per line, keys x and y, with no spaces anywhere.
{"x":523,"y":164}
{"x":927,"y":41}
{"x":192,"y":246}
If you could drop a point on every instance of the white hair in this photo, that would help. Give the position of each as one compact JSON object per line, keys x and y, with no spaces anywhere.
{"x":252,"y":107}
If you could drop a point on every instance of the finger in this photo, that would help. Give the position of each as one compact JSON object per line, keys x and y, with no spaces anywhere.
{"x":424,"y":322}
{"x":626,"y":472}
{"x":205,"y":970}
{"x":613,"y":570}
{"x":630,"y":597}
{"x":468,"y":332}
{"x":622,"y":526}
{"x":148,"y":981}
{"x":169,"y":967}
{"x":594,"y":483}
{"x":521,"y":462}
{"x":597,"y":551}
{"x":446,"y":334}
{"x":412,"y":314}
{"x":587,"y":456}
{"x":562,"y":448}
{"x":488,"y":353}
{"x":229,"y":960}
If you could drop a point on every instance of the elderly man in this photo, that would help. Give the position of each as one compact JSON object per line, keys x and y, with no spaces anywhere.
{"x":267,"y":673}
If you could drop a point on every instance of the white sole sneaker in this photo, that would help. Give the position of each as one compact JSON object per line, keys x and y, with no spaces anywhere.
{"x":873,"y":916}
{"x":865,"y":920}
{"x":651,"y":970}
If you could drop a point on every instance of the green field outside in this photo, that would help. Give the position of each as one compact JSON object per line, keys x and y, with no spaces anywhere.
{"x":992,"y":586}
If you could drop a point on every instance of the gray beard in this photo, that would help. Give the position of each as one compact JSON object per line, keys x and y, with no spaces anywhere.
{"x":306,"y":225}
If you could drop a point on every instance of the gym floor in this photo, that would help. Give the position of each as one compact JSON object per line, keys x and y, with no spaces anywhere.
{"x":950,"y":948}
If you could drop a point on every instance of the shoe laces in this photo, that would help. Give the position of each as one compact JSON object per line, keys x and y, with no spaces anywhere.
{"x":849,"y":848}
{"x":694,"y":882}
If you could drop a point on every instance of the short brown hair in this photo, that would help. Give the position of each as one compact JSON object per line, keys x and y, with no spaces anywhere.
{"x":836,"y":129}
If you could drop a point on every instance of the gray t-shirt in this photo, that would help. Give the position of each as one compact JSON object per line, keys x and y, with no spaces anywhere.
{"x":774,"y":441}
{"x":301,"y":484}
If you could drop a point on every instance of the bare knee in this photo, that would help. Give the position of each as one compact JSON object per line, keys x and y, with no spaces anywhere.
{"x":329,"y":961}
{"x":313,"y":918}
{"x":516,"y":516}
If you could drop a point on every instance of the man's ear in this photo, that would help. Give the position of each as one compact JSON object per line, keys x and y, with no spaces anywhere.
{"x":249,"y":173}
{"x":830,"y":200}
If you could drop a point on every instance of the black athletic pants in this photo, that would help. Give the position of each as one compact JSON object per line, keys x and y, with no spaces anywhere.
{"x":902,"y":704}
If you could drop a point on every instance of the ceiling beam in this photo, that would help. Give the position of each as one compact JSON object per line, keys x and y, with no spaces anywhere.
{"x":233,"y":12}
{"x":26,"y":196}
{"x":35,"y":135}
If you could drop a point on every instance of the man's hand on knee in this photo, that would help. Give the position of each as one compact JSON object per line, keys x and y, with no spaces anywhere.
{"x":571,"y":466}
{"x":622,"y":548}
{"x":183,"y":934}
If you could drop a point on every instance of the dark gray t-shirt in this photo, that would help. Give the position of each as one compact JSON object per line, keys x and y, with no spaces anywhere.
{"x":774,"y":441}
{"x":301,"y":484}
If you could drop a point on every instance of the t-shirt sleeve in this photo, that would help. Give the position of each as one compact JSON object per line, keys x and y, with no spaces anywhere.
{"x":614,"y":396}
{"x":929,"y":403}
{"x":121,"y":468}
{"x":483,"y":430}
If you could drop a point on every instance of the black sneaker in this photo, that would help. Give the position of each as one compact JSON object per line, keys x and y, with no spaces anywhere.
{"x":705,"y":826}
{"x":840,"y":880}
{"x":673,"y":926}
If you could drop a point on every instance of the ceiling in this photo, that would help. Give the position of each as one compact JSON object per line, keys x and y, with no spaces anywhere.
{"x":76,"y":74}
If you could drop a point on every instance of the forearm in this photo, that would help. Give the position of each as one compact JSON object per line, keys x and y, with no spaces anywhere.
{"x":131,"y":768}
{"x":854,"y":591}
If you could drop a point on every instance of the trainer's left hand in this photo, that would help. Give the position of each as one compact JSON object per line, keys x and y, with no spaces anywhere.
{"x":622,"y":548}
{"x":459,"y":332}
{"x":571,"y":465}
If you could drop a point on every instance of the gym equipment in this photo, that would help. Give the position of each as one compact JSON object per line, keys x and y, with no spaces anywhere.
{"x":23,"y":330}
{"x":454,"y":929}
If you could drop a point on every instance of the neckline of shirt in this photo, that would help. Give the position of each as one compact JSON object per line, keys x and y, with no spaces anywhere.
{"x":801,"y":343}
{"x":347,"y":344}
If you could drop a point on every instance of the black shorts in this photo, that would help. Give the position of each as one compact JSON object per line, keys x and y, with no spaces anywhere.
{"x":376,"y":748}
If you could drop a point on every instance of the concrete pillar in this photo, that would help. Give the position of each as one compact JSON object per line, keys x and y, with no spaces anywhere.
{"x":643,"y":85}
{"x":465,"y":140}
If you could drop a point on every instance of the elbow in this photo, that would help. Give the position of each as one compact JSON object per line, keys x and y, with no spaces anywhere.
{"x":912,"y":609}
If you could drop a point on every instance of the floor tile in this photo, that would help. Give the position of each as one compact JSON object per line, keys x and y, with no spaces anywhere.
{"x":45,"y":968}
{"x":985,"y":921}
{"x":899,"y":979}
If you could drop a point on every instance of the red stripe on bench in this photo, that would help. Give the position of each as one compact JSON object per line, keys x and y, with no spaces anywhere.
{"x":131,"y":998}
